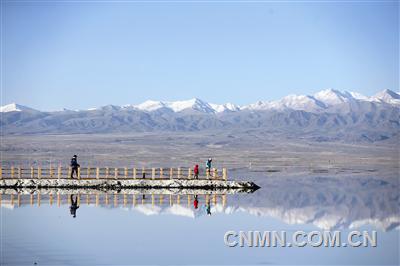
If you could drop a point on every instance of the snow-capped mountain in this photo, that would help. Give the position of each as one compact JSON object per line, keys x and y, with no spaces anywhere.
{"x":320,"y":101}
{"x":177,"y":106}
{"x":387,"y":96}
{"x":334,"y":97}
{"x":326,"y":115}
{"x":149,"y":105}
{"x":13,"y":107}
{"x":227,"y":107}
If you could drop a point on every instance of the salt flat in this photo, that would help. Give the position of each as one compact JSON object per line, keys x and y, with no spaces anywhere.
{"x":240,"y":152}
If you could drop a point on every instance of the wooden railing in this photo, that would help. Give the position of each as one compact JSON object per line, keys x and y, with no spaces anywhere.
{"x":107,"y":173}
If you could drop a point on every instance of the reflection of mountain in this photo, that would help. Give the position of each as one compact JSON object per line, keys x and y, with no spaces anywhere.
{"x":178,"y":210}
{"x":328,"y":203}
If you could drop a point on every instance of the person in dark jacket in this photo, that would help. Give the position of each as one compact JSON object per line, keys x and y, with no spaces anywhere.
{"x":208,"y":166}
{"x":74,"y":166}
{"x":196,"y":171}
{"x":74,"y":205}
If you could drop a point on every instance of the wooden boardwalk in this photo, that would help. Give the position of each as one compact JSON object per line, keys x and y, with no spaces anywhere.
{"x":59,"y":172}
{"x":119,"y":178}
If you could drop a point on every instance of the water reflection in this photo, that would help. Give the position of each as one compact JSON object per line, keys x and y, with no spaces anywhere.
{"x":74,"y":205}
{"x":325,"y":207}
{"x":164,"y":222}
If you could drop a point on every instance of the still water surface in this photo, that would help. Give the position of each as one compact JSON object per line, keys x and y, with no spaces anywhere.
{"x":175,"y":233}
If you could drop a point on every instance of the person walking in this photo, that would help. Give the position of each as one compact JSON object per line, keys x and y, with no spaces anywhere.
{"x":196,"y":171}
{"x":208,"y":166}
{"x":74,"y":166}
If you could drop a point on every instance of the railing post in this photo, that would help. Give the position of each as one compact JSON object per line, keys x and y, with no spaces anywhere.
{"x":69,"y":171}
{"x":126,"y":172}
{"x":1,"y":172}
{"x":224,"y":174}
{"x":215,"y":175}
{"x":79,"y":173}
{"x":171,"y":173}
{"x":88,"y":172}
{"x":107,"y":172}
{"x":208,"y":173}
{"x":161,"y":173}
{"x":12,"y":171}
{"x":50,"y":171}
{"x":179,"y":172}
{"x":116,"y":173}
{"x":134,"y":173}
{"x":153,"y":173}
{"x":39,"y":172}
{"x":32,"y":172}
{"x":19,"y":172}
{"x":59,"y":172}
{"x":190,"y":172}
{"x":97,"y":173}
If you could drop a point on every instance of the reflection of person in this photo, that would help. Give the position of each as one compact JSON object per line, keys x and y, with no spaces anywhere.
{"x":208,"y":208}
{"x":74,"y":205}
{"x":195,"y":202}
{"x":74,"y":166}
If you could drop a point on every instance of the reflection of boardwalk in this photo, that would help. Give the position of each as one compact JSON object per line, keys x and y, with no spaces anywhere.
{"x":109,"y":199}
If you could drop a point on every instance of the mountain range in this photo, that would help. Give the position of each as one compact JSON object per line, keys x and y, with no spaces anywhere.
{"x":327,"y":115}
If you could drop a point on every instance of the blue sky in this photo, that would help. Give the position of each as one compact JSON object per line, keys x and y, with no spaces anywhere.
{"x":84,"y":54}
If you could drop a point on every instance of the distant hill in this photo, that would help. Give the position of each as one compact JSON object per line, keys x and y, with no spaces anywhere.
{"x":329,"y":115}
